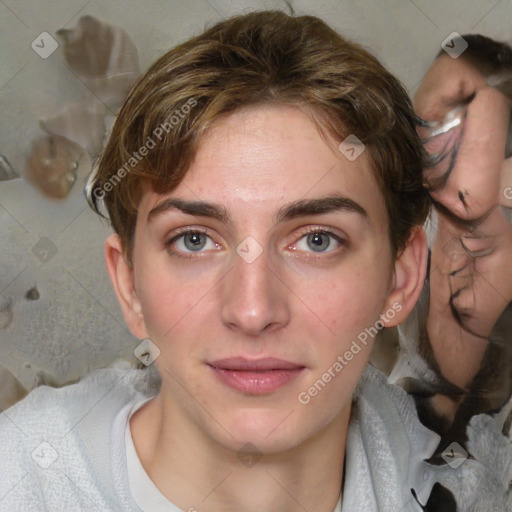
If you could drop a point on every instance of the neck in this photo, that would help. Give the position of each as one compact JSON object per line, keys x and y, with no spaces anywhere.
{"x":195,"y":473}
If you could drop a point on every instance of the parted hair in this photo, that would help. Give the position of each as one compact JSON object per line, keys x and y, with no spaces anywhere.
{"x":261,"y":58}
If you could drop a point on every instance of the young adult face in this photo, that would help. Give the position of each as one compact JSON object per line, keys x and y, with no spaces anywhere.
{"x":290,"y":260}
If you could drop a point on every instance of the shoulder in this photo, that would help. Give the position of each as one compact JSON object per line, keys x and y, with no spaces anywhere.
{"x":48,"y":411}
{"x":385,"y":415}
{"x":50,"y":406}
{"x":374,"y":394}
{"x":388,"y":434}
{"x":56,"y":437}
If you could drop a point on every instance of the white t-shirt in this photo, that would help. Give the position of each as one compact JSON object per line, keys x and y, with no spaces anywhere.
{"x":144,"y":491}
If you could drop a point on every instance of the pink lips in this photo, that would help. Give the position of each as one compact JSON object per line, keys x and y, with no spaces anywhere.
{"x":255,"y":377}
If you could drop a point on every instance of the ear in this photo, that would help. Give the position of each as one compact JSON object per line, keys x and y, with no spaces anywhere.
{"x":410,"y":269}
{"x":121,"y":275}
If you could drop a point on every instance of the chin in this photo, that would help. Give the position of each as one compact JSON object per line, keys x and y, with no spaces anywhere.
{"x":269,"y":431}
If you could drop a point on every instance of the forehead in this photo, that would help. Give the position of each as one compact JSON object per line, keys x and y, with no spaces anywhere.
{"x":256,"y":159}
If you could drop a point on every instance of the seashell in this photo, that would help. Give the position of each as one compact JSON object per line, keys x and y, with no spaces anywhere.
{"x":103,"y":56}
{"x":7,"y":171}
{"x":81,"y":123}
{"x":112,"y":90}
{"x":87,"y":47}
{"x":52,"y":165}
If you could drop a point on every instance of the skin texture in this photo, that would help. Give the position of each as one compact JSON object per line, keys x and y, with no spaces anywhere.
{"x":470,"y":261}
{"x":476,"y":272}
{"x":291,"y":302}
{"x":480,"y":162}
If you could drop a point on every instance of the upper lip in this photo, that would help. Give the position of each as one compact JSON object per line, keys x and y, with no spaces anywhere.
{"x":243,"y":364}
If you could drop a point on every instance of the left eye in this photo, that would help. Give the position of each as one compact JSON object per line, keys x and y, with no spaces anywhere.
{"x":319,"y":241}
{"x":192,"y":241}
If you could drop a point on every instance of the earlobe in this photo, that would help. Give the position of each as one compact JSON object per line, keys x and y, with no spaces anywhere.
{"x":409,"y":277}
{"x":122,"y":278}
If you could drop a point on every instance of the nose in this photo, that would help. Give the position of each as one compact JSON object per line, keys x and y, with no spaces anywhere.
{"x":466,"y":197}
{"x":254,"y":298}
{"x":456,"y":199}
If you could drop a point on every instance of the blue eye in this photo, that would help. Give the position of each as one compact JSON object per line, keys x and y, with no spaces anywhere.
{"x":319,"y":241}
{"x":190,"y":241}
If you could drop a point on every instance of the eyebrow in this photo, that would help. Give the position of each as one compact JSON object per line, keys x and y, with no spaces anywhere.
{"x":196,"y":208}
{"x":330,"y":204}
{"x":300,"y":208}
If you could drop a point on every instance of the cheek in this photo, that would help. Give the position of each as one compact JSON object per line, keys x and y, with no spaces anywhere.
{"x":343,"y":304}
{"x":170,"y":298}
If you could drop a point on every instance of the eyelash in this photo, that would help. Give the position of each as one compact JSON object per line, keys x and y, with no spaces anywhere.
{"x":314,"y":230}
{"x":321,"y":231}
{"x":181,"y":233}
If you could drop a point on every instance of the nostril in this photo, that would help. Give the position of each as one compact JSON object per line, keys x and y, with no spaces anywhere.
{"x":461,"y":197}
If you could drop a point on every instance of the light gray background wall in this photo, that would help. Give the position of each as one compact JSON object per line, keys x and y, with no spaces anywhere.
{"x":76,"y":325}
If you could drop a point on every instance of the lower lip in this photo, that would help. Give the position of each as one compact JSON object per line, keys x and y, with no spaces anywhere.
{"x":256,"y":383}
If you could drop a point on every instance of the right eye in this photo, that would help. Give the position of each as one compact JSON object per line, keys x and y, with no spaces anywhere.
{"x":190,"y":241}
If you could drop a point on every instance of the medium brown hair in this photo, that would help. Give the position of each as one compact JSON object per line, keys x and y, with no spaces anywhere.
{"x":260,"y":58}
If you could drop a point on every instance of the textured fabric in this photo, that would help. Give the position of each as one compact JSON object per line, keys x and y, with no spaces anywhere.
{"x":64,"y":449}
